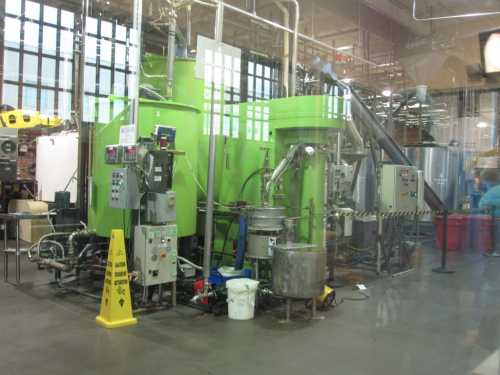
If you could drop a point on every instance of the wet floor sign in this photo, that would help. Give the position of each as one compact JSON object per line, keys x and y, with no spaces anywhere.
{"x":116,"y":306}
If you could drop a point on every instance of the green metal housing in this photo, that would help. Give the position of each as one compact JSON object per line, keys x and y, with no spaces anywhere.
{"x":247,"y":133}
{"x":102,"y":218}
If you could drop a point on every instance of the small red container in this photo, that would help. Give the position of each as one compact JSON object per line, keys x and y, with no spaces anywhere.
{"x":482,"y":232}
{"x":455,"y":231}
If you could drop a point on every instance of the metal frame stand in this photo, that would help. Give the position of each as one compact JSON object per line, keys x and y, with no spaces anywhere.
{"x":444,"y":250}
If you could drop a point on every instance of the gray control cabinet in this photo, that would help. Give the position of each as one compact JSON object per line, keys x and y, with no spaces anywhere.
{"x":399,"y":188}
{"x":155,"y":254}
{"x":124,"y":189}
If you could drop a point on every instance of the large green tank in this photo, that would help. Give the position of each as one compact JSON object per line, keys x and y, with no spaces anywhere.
{"x":102,"y":218}
{"x":313,"y":121}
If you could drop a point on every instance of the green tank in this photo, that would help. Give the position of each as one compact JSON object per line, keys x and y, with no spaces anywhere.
{"x":313,"y":121}
{"x":184,"y":118}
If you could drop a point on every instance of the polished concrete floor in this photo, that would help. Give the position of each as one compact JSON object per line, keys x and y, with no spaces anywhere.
{"x":422,"y":323}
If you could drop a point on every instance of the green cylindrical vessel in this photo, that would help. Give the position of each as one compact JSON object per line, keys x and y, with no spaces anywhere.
{"x":184,"y":118}
{"x":313,"y":121}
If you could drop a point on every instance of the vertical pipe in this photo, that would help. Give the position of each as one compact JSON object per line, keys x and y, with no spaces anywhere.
{"x":5,"y":252}
{"x":219,"y":23}
{"x":137,"y":25}
{"x":80,"y":105}
{"x":18,"y":254}
{"x":293,"y":84}
{"x":171,"y":54}
{"x":188,"y":27}
{"x":285,"y":62}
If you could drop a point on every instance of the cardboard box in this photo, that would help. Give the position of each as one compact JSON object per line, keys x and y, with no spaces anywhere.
{"x":30,"y":230}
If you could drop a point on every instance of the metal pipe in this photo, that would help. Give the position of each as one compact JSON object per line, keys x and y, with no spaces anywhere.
{"x":464,"y":15}
{"x":354,"y":136}
{"x":80,"y":106}
{"x":286,"y":48}
{"x":137,"y":25}
{"x":194,"y":265}
{"x":288,"y":30}
{"x":295,"y":52}
{"x":209,"y":217}
{"x":368,"y":119}
{"x":189,"y":27}
{"x":172,"y":26}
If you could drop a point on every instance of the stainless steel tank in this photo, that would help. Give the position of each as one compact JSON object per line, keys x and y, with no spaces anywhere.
{"x":260,"y":245}
{"x":299,"y":270}
{"x":265,"y":226}
{"x":441,"y":167}
{"x":266,"y":218}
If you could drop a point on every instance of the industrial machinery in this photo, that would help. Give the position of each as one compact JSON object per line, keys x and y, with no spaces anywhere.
{"x":399,"y":188}
{"x":8,"y":155}
{"x":144,"y":186}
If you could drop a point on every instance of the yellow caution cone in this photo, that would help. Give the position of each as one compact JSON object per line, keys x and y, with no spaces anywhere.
{"x":116,"y":306}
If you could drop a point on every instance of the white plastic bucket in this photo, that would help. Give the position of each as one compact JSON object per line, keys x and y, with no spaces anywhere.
{"x":241,"y":298}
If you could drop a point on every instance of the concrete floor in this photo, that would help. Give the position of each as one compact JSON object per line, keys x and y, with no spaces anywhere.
{"x":422,"y":323}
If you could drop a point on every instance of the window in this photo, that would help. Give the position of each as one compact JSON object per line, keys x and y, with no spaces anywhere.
{"x":221,"y":68}
{"x":38,"y":70}
{"x":11,"y":65}
{"x":33,"y":83}
{"x":108,"y":71}
{"x":262,"y":78}
{"x":10,"y":94}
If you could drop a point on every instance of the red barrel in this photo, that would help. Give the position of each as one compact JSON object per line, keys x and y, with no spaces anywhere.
{"x":455,"y":231}
{"x":482,"y":232}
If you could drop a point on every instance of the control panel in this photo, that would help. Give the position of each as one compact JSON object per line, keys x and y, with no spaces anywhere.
{"x":113,"y":154}
{"x":341,"y":177}
{"x":155,"y":254}
{"x":399,"y":188}
{"x":8,"y":154}
{"x":124,"y":189}
{"x":129,"y":154}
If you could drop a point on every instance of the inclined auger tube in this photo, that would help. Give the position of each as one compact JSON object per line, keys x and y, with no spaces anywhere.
{"x":368,"y":119}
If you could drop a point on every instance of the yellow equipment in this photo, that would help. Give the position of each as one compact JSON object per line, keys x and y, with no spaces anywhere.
{"x":116,"y":304}
{"x":19,"y":119}
{"x":327,"y":298}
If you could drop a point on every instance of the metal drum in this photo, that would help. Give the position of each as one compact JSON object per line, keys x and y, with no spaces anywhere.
{"x":266,"y":218}
{"x":299,"y":270}
{"x":265,"y":225}
{"x":260,"y":245}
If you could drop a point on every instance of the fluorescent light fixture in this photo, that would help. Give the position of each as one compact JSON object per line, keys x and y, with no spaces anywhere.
{"x":482,"y":125}
{"x":343,"y":48}
{"x":387,"y":93}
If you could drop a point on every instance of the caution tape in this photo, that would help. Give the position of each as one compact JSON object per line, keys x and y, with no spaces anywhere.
{"x":390,"y":214}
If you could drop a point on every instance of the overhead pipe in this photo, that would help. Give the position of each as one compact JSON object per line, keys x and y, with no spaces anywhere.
{"x":295,"y":51}
{"x":172,"y":26}
{"x":286,"y":48}
{"x":464,"y":15}
{"x":137,"y":25}
{"x":288,"y":30}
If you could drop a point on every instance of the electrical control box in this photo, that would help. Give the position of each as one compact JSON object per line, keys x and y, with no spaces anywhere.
{"x":113,"y":154}
{"x":158,"y":170}
{"x":124,"y":189}
{"x":341,"y":177}
{"x":399,"y":188}
{"x":155,"y":254}
{"x":8,"y":154}
{"x":129,"y":154}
